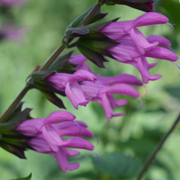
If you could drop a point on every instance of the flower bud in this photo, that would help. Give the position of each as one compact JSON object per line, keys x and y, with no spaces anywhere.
{"x":144,"y":5}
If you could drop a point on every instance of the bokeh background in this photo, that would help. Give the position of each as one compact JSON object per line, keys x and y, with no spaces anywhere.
{"x":124,"y":143}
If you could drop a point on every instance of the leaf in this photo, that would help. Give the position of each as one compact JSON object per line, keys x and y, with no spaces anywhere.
{"x":53,"y":98}
{"x":18,"y":151}
{"x":143,"y":146}
{"x":97,"y":27}
{"x":60,"y":62}
{"x":98,"y":17}
{"x":26,"y":178}
{"x":98,"y":46}
{"x":76,"y":32}
{"x":174,"y":91}
{"x":92,"y":56}
{"x":23,"y":115}
{"x":78,"y":20}
{"x":39,"y":81}
{"x":117,"y":165}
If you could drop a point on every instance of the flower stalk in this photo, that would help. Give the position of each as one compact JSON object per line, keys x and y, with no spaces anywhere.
{"x":50,"y":60}
{"x":157,"y":149}
{"x":14,"y":103}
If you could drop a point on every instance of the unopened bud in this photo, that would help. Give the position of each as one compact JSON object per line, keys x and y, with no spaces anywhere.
{"x":144,"y":5}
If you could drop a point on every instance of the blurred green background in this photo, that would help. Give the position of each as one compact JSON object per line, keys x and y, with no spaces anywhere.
{"x":124,"y":142}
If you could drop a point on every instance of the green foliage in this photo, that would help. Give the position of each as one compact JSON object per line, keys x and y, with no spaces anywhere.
{"x":26,"y":178}
{"x":174,"y":91}
{"x":117,"y":165}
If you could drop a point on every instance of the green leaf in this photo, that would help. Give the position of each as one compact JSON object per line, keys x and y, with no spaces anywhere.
{"x":23,"y":115}
{"x":26,"y":178}
{"x":53,"y":98}
{"x":98,"y":46}
{"x":39,"y":82}
{"x":117,"y":165}
{"x":76,"y":32}
{"x":94,"y":57}
{"x":38,"y":76}
{"x":174,"y":91}
{"x":18,"y":151}
{"x":98,"y":17}
{"x":97,"y":27}
{"x":60,"y":63}
{"x":144,"y":145}
{"x":78,"y":20}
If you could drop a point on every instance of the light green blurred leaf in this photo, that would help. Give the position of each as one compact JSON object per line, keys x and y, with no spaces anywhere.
{"x":174,"y":91}
{"x":117,"y":165}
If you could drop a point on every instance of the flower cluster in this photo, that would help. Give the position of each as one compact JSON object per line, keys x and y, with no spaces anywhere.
{"x":47,"y":136}
{"x":134,"y":48}
{"x":72,"y":76}
{"x":84,"y":86}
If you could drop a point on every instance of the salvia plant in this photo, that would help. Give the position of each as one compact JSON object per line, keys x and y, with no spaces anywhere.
{"x":70,"y":76}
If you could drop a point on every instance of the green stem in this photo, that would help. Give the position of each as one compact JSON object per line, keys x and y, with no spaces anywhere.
{"x":13,"y":104}
{"x":50,"y":60}
{"x":158,"y":148}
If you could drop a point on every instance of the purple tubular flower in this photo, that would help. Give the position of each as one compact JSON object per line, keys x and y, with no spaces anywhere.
{"x":134,"y":47}
{"x":81,"y":63}
{"x":84,"y":86}
{"x":103,"y":94}
{"x":69,"y":84}
{"x":127,"y":52}
{"x":47,"y":136}
{"x":103,"y":88}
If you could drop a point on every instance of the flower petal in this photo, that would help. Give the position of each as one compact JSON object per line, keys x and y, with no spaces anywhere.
{"x":75,"y":94}
{"x":76,"y":142}
{"x":58,"y":117}
{"x":162,"y":40}
{"x":161,"y":53}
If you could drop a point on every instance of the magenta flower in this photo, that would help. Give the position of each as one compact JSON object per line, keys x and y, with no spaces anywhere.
{"x":8,"y":32}
{"x":47,"y":136}
{"x":134,"y":47}
{"x":128,"y":29}
{"x":69,"y":84}
{"x":84,"y":86}
{"x":128,"y":53}
{"x":81,"y":63}
{"x":103,"y":90}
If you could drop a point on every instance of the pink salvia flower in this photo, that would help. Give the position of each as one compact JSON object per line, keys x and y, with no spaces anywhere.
{"x":134,"y":48}
{"x":80,"y":61}
{"x":84,"y":86}
{"x":69,"y":84}
{"x":103,"y":88}
{"x":47,"y":136}
{"x":128,"y":53}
